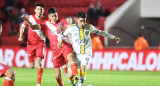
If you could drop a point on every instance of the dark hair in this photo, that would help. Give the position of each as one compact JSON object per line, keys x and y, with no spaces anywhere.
{"x":39,"y":4}
{"x":52,"y":10}
{"x":81,"y":14}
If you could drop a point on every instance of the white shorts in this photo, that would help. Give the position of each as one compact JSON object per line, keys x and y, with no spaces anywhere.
{"x":82,"y":59}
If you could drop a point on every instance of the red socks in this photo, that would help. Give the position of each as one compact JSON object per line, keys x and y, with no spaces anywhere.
{"x":39,"y":75}
{"x":59,"y":81}
{"x":13,"y":82}
{"x":7,"y":82}
{"x":74,"y":69}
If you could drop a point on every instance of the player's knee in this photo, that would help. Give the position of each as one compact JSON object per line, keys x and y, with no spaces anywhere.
{"x":10,"y":74}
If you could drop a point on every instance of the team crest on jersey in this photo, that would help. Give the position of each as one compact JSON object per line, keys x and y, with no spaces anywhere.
{"x":87,"y":32}
{"x":1,"y":67}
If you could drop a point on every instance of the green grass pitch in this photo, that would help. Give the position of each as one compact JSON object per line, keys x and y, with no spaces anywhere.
{"x":27,"y":77}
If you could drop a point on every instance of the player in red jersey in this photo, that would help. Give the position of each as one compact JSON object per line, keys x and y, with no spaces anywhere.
{"x":65,"y":67}
{"x":36,"y":40}
{"x":60,"y":55}
{"x":9,"y":75}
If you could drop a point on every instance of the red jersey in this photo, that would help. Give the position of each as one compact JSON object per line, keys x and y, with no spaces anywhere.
{"x":35,"y":37}
{"x":51,"y":30}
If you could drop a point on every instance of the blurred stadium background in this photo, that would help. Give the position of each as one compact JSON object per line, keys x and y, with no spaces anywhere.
{"x":123,"y":18}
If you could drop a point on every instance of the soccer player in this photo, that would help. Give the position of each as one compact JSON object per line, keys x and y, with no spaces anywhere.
{"x":65,"y":67}
{"x":9,"y":74}
{"x":60,"y":55}
{"x":36,"y":40}
{"x":81,"y":42}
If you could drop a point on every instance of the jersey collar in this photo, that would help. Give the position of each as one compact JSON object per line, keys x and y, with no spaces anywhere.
{"x":78,"y":26}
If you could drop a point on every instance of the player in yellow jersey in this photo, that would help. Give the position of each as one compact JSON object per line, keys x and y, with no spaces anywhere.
{"x":79,"y":34}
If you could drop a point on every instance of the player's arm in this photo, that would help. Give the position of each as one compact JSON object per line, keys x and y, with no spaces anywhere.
{"x":34,"y":27}
{"x":105,"y":34}
{"x":61,"y":35}
{"x":0,"y":27}
{"x":20,"y":38}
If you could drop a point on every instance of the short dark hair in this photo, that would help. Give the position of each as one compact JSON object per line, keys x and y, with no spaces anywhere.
{"x":39,"y":4}
{"x":81,"y":14}
{"x":52,"y":10}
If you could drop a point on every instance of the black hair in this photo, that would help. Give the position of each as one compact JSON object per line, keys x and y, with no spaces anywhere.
{"x":52,"y":10}
{"x":81,"y":14}
{"x":39,"y":4}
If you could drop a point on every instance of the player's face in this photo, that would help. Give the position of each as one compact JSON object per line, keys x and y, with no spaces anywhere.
{"x":69,"y":20}
{"x":81,"y":22}
{"x":39,"y":11}
{"x":53,"y":17}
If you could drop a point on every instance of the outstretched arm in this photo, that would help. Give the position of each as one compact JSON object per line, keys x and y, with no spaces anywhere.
{"x":105,"y":34}
{"x":34,"y":27}
{"x":20,"y":38}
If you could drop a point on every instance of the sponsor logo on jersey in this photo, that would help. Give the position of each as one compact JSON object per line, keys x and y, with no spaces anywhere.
{"x":1,"y":67}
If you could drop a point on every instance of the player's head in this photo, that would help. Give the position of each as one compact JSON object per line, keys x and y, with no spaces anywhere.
{"x":81,"y":18}
{"x":39,"y":9}
{"x":69,"y":20}
{"x":52,"y":14}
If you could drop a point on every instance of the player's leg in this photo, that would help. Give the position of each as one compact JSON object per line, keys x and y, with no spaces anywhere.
{"x":40,"y":52}
{"x":73,"y":79}
{"x":84,"y":61}
{"x":59,"y":76}
{"x":65,"y":67}
{"x":31,"y":55}
{"x":70,"y":76}
{"x":39,"y":71}
{"x":82,"y":77}
{"x":68,"y":54}
{"x":9,"y":77}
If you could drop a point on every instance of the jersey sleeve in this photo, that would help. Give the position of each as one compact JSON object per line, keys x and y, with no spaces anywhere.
{"x":66,"y":32}
{"x":64,"y":22}
{"x":100,"y":32}
{"x":24,"y":24}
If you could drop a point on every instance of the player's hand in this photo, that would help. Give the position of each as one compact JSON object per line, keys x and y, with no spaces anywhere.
{"x":117,"y":39}
{"x":23,"y":17}
{"x":60,"y":44}
{"x":59,"y":29}
{"x":20,"y":39}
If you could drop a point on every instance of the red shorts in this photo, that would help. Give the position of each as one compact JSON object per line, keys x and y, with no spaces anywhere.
{"x":3,"y":69}
{"x":60,"y":55}
{"x":34,"y":51}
